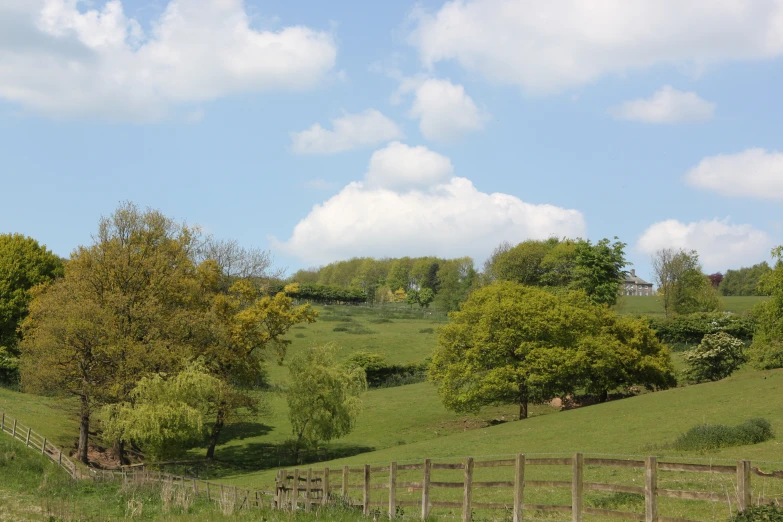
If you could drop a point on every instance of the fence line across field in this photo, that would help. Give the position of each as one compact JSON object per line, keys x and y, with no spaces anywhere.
{"x":303,"y":489}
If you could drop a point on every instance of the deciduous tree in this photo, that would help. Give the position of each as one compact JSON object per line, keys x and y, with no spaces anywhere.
{"x":767,"y":347}
{"x":323,"y":397}
{"x":682,"y":286}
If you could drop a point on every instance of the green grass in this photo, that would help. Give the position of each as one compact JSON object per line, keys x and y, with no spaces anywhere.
{"x":641,"y":305}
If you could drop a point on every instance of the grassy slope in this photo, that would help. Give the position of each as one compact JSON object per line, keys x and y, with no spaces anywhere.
{"x":633,"y":305}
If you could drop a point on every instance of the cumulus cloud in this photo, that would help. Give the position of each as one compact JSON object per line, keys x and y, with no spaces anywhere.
{"x":549,"y":46}
{"x":401,"y":167}
{"x":720,"y":244}
{"x":440,"y":215}
{"x":445,"y":111}
{"x":668,"y":105}
{"x":61,"y":61}
{"x":754,"y":173}
{"x":349,"y":132}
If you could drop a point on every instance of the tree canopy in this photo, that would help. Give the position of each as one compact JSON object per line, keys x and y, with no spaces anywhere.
{"x":568,"y":264}
{"x":24,"y":263}
{"x":682,"y":286}
{"x":513,"y":344}
{"x":767,"y":347}
{"x":744,"y":281}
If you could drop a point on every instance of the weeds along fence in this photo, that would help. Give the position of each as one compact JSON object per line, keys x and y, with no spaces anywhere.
{"x":533,"y":488}
{"x":31,"y":439}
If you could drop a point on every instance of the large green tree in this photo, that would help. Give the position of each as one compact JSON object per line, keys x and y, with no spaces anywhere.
{"x":512,"y":344}
{"x":116,"y":315}
{"x":569,"y":264}
{"x":767,"y":348}
{"x":682,"y":285}
{"x":24,"y":263}
{"x":323,"y":397}
{"x":745,"y":280}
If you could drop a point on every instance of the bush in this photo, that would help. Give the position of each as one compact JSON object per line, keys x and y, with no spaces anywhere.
{"x":717,"y":356}
{"x":690,"y":329}
{"x":427,"y":330}
{"x":381,"y":374}
{"x":299,"y":335}
{"x":715,"y":436}
{"x":340,"y":329}
{"x":769,"y":513}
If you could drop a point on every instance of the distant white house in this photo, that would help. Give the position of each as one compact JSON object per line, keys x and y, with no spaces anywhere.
{"x":634,"y":285}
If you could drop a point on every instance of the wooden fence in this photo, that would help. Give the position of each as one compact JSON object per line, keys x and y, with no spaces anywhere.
{"x":31,"y":439}
{"x":303,"y":489}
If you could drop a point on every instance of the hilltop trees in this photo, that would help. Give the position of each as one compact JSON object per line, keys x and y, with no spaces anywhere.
{"x":569,"y":264}
{"x":682,"y":285}
{"x":515,"y":344}
{"x":745,"y":281}
{"x":23,"y":264}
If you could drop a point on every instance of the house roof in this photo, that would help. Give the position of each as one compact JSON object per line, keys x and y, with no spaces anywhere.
{"x":633,"y":278}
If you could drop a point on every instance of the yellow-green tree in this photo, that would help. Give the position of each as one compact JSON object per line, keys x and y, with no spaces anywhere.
{"x":515,"y":344}
{"x":114,"y":317}
{"x":323,"y":397}
{"x":767,"y":349}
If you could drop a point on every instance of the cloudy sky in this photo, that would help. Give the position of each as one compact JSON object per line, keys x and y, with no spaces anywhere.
{"x":326,"y":130}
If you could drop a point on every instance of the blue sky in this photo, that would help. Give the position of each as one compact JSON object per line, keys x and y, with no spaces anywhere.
{"x":326,"y":130}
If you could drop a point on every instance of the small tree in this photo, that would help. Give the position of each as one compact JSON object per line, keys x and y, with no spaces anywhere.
{"x":767,"y":347}
{"x":323,"y":398}
{"x":412,"y":297}
{"x":716,"y":357}
{"x":426,"y":296}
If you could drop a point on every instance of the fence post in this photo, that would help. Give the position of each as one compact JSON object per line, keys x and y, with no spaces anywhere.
{"x":651,"y":489}
{"x":466,"y":499}
{"x":519,"y":487}
{"x":13,"y":433}
{"x":325,"y":488}
{"x":43,"y":446}
{"x":295,"y":499}
{"x":344,"y":489}
{"x":425,"y":490}
{"x":366,"y":491}
{"x":577,"y":485}
{"x":282,"y":482}
{"x":27,"y":441}
{"x":308,"y":488}
{"x":236,"y":497}
{"x":60,"y":458}
{"x":209,"y":495}
{"x":743,"y":485}
{"x":392,"y":489}
{"x":2,"y":423}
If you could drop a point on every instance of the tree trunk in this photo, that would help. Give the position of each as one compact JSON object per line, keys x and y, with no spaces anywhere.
{"x":523,"y":402}
{"x":603,"y":396}
{"x":84,"y":431}
{"x":119,"y":452}
{"x":213,"y":436}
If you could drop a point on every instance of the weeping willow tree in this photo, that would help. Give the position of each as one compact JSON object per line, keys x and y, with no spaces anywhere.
{"x":323,"y":398}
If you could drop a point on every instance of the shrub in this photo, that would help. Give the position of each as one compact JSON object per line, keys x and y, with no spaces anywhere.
{"x":299,"y":335}
{"x":690,"y":329}
{"x":715,"y":436}
{"x":427,"y":330}
{"x":768,"y":513}
{"x":340,"y":329}
{"x":381,"y":374}
{"x":717,"y":356}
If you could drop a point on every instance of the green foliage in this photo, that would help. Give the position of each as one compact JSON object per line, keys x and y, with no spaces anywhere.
{"x":682,"y":286}
{"x":767,"y":348}
{"x":381,"y":374}
{"x":425,"y":297}
{"x":760,"y":513}
{"x":717,"y":356}
{"x":427,"y":330}
{"x":323,"y":397}
{"x":574,"y":264}
{"x":328,"y":294}
{"x":23,"y":264}
{"x":716,"y":436}
{"x":512,"y":343}
{"x":745,"y":281}
{"x":165,"y":414}
{"x":691,"y":328}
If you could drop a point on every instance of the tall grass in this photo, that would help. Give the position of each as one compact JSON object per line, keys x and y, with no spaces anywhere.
{"x":716,"y":436}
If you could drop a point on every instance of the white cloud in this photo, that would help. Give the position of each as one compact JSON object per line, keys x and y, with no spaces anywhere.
{"x":350,"y":131}
{"x":445,"y":111}
{"x":668,"y":105}
{"x":548,"y":46}
{"x":61,"y":61}
{"x":444,"y":217}
{"x":401,"y":167}
{"x":721,"y":245}
{"x":754,"y":173}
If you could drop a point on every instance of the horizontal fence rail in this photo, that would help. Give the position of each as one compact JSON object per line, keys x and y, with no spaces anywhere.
{"x":310,"y":488}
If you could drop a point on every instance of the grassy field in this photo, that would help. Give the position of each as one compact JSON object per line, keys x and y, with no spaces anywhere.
{"x":639,"y":305}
